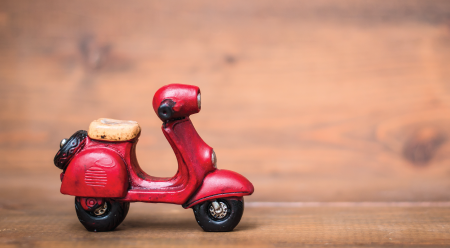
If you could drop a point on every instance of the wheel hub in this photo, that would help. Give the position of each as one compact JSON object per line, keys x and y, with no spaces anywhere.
{"x":218,"y":210}
{"x":101,"y":210}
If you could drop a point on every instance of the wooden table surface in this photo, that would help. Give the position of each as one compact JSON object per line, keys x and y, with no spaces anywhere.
{"x":150,"y":225}
{"x":37,"y":216}
{"x":339,"y":112}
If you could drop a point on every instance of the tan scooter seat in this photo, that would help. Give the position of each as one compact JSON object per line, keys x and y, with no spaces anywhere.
{"x":113,"y":130}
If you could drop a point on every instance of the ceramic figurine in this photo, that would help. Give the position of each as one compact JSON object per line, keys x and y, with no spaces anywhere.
{"x":101,"y":170}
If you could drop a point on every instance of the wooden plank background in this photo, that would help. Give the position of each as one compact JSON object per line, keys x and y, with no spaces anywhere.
{"x":311,"y":100}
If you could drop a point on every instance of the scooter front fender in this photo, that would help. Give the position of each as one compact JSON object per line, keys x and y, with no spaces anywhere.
{"x":96,"y":172}
{"x":221,"y":184}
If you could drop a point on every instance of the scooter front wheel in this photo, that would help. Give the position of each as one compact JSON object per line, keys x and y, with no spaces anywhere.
{"x":104,"y":218}
{"x":219,"y":215}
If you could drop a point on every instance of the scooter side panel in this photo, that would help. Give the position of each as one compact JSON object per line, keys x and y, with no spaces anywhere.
{"x":96,"y":172}
{"x":220,"y":184}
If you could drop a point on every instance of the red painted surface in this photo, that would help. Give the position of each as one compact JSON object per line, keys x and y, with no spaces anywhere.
{"x":220,"y":184}
{"x":194,"y":162}
{"x":105,"y":169}
{"x":90,"y":204}
{"x":96,"y":171}
{"x":185,"y":97}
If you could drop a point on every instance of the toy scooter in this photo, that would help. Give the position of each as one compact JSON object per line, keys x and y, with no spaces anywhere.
{"x":101,"y":170}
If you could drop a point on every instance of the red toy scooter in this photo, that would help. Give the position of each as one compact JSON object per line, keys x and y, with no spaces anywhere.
{"x":101,"y":170}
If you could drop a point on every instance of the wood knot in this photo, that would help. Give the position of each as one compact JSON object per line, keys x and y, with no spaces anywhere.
{"x":94,"y":54}
{"x":422,"y":145}
{"x":230,"y":59}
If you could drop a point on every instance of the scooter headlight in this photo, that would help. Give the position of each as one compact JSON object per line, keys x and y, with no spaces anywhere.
{"x":199,"y":101}
{"x":214,"y":159}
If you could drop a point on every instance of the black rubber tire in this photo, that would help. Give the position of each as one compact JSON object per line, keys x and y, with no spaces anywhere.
{"x":116,"y":213}
{"x":228,"y":223}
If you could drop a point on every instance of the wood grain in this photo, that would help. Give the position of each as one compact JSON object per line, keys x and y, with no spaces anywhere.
{"x":39,"y":216}
{"x":311,"y":100}
{"x":321,"y":101}
{"x":171,"y":226}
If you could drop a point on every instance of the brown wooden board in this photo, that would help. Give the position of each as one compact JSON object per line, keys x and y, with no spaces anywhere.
{"x":321,"y":101}
{"x":34,"y":214}
{"x":311,"y":100}
{"x":150,"y":225}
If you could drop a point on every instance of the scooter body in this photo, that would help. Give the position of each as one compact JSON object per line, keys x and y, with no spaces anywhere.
{"x":100,"y":168}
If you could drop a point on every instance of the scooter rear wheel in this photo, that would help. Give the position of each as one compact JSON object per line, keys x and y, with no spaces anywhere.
{"x":104,"y":219}
{"x":220,"y":221}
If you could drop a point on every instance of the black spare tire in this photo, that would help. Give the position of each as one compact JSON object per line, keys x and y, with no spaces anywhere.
{"x":73,"y":145}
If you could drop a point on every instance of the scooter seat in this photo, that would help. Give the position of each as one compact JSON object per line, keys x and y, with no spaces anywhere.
{"x":113,"y":130}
